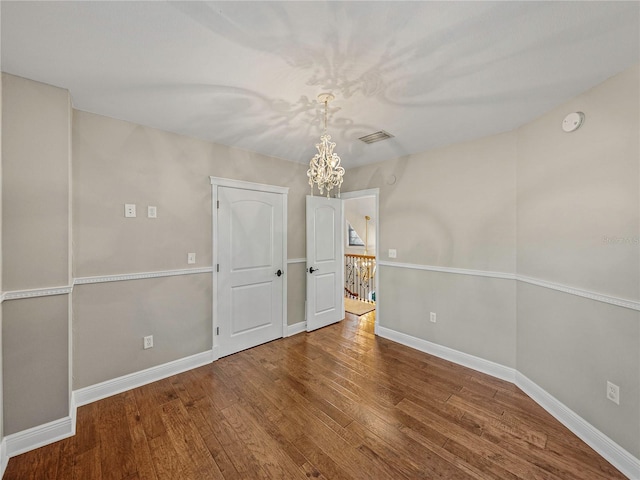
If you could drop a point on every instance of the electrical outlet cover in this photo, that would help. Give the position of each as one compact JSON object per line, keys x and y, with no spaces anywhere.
{"x":129,"y":210}
{"x":613,"y":393}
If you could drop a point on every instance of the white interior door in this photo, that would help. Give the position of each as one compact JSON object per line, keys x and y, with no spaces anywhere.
{"x":325,"y":261}
{"x":250,"y":232}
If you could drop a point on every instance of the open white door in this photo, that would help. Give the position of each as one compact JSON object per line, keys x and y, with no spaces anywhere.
{"x":325,"y":261}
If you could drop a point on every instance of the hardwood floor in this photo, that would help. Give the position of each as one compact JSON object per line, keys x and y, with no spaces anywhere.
{"x":338,"y":403}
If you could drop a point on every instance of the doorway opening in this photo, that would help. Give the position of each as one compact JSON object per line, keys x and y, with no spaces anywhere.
{"x":361,"y":254}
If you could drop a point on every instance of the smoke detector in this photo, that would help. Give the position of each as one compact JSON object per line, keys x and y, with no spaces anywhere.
{"x":572,"y":122}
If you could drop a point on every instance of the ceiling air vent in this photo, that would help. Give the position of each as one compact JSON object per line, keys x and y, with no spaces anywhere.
{"x":376,"y":137}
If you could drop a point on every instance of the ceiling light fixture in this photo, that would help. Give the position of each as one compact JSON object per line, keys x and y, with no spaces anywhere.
{"x":324,"y":168}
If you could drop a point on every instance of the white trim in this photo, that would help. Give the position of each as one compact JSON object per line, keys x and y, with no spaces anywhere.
{"x":476,"y":363}
{"x":599,"y":297}
{"x":65,"y":290}
{"x":39,"y":436}
{"x":285,"y":263}
{"x":73,"y":410}
{"x":4,"y":458}
{"x":601,"y":443}
{"x":260,"y":187}
{"x":214,"y":277}
{"x":296,"y":328}
{"x":36,"y":292}
{"x":86,"y":395}
{"x":459,"y":271}
{"x":296,"y":260}
{"x":371,"y":192}
{"x":140,"y":276}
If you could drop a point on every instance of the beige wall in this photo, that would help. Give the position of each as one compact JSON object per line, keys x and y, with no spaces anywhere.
{"x":36,"y":179}
{"x":296,"y":292}
{"x":110,"y":320}
{"x":576,"y":190}
{"x":35,"y":251}
{"x":578,"y":225}
{"x":540,"y":203}
{"x":453,"y":207}
{"x":116,"y":162}
{"x":571,"y":346}
{"x":36,"y":368}
{"x":475,"y":315}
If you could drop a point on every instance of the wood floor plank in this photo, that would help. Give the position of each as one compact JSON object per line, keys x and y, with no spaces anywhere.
{"x":140,"y":446}
{"x":264,"y":447}
{"x":337,"y":403}
{"x":241,"y":457}
{"x":88,"y":465}
{"x":66,"y":459}
{"x":116,"y":446}
{"x":192,"y":452}
{"x":166,"y":461}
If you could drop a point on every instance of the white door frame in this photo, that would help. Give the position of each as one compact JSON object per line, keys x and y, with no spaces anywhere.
{"x":217,"y":182}
{"x":375,"y":193}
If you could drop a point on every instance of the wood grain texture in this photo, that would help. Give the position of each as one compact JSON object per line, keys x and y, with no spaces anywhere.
{"x":337,"y":403}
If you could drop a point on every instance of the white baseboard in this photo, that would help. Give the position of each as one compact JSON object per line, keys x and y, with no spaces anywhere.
{"x":39,"y":436}
{"x":86,"y":395}
{"x":602,"y":444}
{"x":607,"y":448}
{"x":296,"y":328}
{"x":4,"y":458}
{"x":464,"y":359}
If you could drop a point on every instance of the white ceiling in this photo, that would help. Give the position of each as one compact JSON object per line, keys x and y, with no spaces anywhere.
{"x":248,"y":73}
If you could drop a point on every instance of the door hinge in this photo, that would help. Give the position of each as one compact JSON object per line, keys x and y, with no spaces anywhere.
{"x":217,"y":267}
{"x":218,"y":204}
{"x":217,"y":330}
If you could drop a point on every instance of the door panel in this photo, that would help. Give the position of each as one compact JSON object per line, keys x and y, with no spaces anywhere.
{"x":252,"y":235}
{"x":250,"y":252}
{"x":324,"y":228}
{"x":325,"y":270}
{"x":325,"y":292}
{"x":248,"y":304}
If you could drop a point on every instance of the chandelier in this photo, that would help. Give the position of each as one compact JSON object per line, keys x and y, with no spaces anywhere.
{"x":324,"y":168}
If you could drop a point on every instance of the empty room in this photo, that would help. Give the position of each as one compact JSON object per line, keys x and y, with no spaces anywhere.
{"x":334,"y":240}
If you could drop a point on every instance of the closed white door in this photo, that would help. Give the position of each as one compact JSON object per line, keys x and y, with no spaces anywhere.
{"x":325,"y":257}
{"x":251,"y":268}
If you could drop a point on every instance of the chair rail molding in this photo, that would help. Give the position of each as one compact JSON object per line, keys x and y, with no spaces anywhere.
{"x":599,"y":297}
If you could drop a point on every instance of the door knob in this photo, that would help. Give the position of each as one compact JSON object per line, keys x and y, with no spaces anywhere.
{"x":279,"y":272}
{"x":311,"y":269}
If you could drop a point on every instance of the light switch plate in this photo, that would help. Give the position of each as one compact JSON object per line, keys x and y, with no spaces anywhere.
{"x":191,"y":258}
{"x":392,"y":253}
{"x":152,"y":212}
